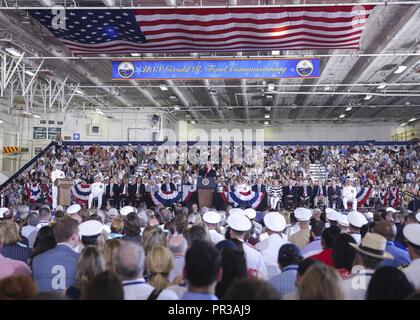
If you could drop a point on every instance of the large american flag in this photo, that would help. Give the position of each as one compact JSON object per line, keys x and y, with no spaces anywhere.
{"x":205,"y":30}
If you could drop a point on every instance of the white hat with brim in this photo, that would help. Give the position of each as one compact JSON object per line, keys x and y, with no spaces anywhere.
{"x":112,"y":213}
{"x":369,"y":215}
{"x":356,"y":219}
{"x":239,"y":222}
{"x":212,"y":217}
{"x":250,"y":213}
{"x":412,"y":233}
{"x":275,"y":221}
{"x":332,"y":215}
{"x":91,"y":228}
{"x":418,"y":217}
{"x":303,"y":214}
{"x":373,"y":245}
{"x":391,"y":210}
{"x":236,"y":211}
{"x":2,"y":212}
{"x":126,"y":210}
{"x":342,"y":220}
{"x":74,"y":208}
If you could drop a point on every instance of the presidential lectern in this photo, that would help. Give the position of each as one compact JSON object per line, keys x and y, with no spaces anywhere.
{"x":205,"y":188}
{"x":64,"y":191}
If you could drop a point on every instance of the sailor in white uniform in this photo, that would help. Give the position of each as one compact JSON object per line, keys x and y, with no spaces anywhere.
{"x":97,"y":190}
{"x":238,"y":225}
{"x":349,"y":195}
{"x":56,"y":174}
{"x":212,"y":220}
{"x":356,"y":221}
{"x":412,"y":234}
{"x":275,"y":223}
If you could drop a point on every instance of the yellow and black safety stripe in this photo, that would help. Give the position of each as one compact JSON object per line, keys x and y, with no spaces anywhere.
{"x":8,"y":150}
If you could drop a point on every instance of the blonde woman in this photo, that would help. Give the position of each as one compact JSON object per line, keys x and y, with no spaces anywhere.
{"x":110,"y":249}
{"x":160,"y":263}
{"x":91,"y":262}
{"x":320,"y":282}
{"x":13,"y":248}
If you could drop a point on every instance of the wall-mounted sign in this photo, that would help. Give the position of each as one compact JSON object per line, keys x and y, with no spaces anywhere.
{"x":40,"y":133}
{"x":43,"y":121}
{"x":50,"y":121}
{"x":215,"y":69}
{"x":60,"y":122}
{"x":38,"y":150}
{"x":76,"y":136}
{"x":53,"y":132}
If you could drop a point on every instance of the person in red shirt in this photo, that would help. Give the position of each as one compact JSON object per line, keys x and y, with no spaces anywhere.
{"x":327,"y":240}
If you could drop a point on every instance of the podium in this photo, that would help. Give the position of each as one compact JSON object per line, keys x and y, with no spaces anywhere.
{"x":205,"y":188}
{"x":64,"y":191}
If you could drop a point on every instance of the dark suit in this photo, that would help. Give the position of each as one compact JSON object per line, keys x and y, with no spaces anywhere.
{"x":171,"y":187}
{"x":137,"y":193}
{"x":317,"y":192}
{"x":289,"y":193}
{"x":55,"y":269}
{"x":304,"y":198}
{"x":115,"y":190}
{"x":124,"y":197}
{"x":205,"y":173}
{"x":334,"y":195}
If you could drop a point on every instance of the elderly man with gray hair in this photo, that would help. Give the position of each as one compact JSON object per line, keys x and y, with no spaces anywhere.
{"x":129,"y":263}
{"x":178,"y":246}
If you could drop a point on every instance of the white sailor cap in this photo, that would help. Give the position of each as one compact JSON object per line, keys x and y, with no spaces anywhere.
{"x":3,"y":211}
{"x":275,"y":221}
{"x":332,"y":215}
{"x":126,"y":210}
{"x":236,"y":211}
{"x":342,"y":220}
{"x":91,"y":228}
{"x":250,"y":213}
{"x":356,"y":219}
{"x":112,"y":213}
{"x":239,"y":222}
{"x":391,"y":209}
{"x":412,"y":233}
{"x":75,"y":208}
{"x":418,"y":217}
{"x":369,"y":215}
{"x":59,"y":208}
{"x":212,"y":217}
{"x":303,"y":214}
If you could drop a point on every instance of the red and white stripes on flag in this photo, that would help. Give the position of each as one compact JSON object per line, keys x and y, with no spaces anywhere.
{"x":252,"y":29}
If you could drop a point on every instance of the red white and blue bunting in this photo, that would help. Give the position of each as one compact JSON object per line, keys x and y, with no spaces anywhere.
{"x":169,"y":198}
{"x":243,"y":199}
{"x":395,"y":197}
{"x":33,"y":192}
{"x":363,"y":196}
{"x":81,"y":193}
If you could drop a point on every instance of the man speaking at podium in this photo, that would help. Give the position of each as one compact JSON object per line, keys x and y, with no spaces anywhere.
{"x":207,"y":171}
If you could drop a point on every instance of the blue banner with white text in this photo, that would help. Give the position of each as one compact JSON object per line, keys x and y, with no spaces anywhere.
{"x":216,"y":69}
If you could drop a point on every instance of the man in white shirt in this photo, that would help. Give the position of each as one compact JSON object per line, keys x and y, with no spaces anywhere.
{"x":56,"y":174}
{"x":275,"y":223}
{"x":97,"y":191}
{"x":412,"y":234}
{"x":349,"y":195}
{"x":129,"y":263}
{"x":212,"y":220}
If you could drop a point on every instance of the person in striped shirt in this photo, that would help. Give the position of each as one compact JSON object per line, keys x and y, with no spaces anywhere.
{"x":275,"y":193}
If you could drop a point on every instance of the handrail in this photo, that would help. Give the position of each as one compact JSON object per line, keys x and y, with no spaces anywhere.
{"x":26,"y":166}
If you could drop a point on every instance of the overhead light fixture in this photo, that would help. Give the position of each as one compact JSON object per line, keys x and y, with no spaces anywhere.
{"x":266,"y":123}
{"x":30,"y":73}
{"x":177,"y":108}
{"x":163,"y":88}
{"x":342,"y":115}
{"x":349,"y":108}
{"x":382,"y":86}
{"x":400,"y":69}
{"x":37,"y":116}
{"x":412,"y":119}
{"x":13,"y":52}
{"x":267,"y":116}
{"x":26,"y":113}
{"x":1,"y":121}
{"x":79,"y":91}
{"x":368,"y":97}
{"x":135,"y":54}
{"x":275,"y":52}
{"x":403,"y":124}
{"x":192,"y":121}
{"x":271,"y":86}
{"x":99,"y":111}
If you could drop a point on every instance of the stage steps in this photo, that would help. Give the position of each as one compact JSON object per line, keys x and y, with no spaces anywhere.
{"x":317,"y":172}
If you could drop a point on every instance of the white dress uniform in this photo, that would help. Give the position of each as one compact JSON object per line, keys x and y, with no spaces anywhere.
{"x":355,"y":287}
{"x":215,"y":236}
{"x":349,"y":194}
{"x":269,"y":249}
{"x":412,"y":234}
{"x":97,"y":191}
{"x":56,"y":174}
{"x":254,"y":261}
{"x":412,"y":273}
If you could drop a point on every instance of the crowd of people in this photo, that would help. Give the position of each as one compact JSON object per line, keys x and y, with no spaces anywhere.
{"x":310,"y":245}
